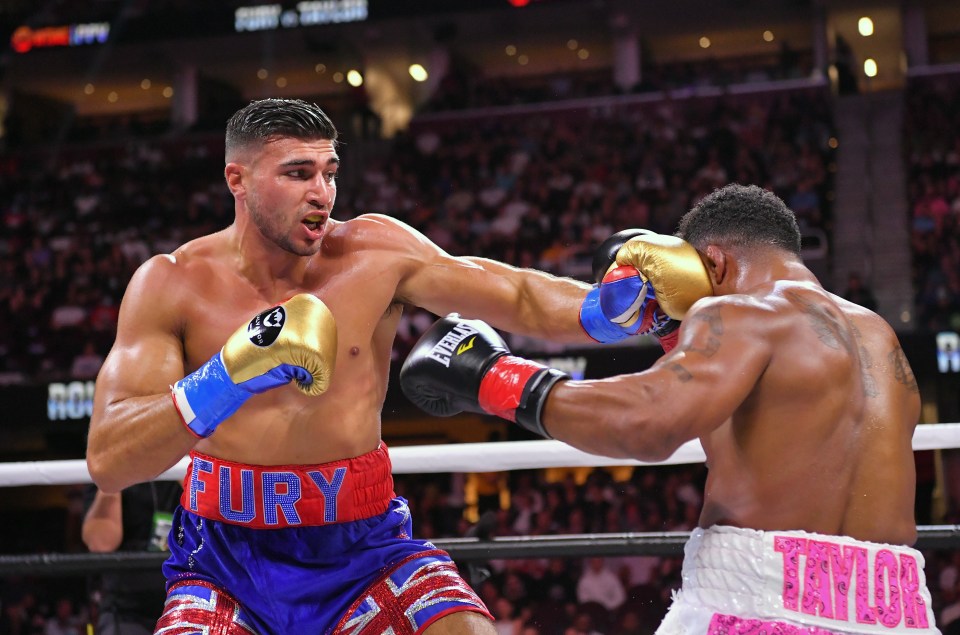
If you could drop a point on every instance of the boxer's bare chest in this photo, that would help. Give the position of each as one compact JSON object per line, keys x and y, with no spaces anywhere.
{"x":359,"y":295}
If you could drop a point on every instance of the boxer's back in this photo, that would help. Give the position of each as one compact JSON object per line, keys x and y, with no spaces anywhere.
{"x":823,"y":442}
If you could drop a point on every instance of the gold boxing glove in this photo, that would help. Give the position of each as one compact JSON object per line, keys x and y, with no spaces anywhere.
{"x":296,"y":340}
{"x":672,"y":266}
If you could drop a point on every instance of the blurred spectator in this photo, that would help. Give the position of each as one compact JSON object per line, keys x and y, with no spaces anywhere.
{"x":507,"y":620}
{"x":599,"y":584}
{"x":932,"y":139}
{"x":20,"y":614}
{"x":859,"y":293}
{"x":949,"y":618}
{"x":582,"y":625}
{"x":137,"y":519}
{"x":65,"y":621}
{"x":87,"y":364}
{"x":846,"y":64}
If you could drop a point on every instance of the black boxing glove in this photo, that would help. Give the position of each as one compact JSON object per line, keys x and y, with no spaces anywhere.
{"x":464,"y":365}
{"x":605,"y":257}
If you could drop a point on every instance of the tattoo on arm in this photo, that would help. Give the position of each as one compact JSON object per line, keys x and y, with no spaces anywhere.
{"x":870,"y":388}
{"x":682,"y":373}
{"x":708,"y":348}
{"x":901,"y":369}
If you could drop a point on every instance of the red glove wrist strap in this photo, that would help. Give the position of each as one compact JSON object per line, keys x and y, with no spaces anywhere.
{"x":669,"y":341}
{"x":502,"y":386}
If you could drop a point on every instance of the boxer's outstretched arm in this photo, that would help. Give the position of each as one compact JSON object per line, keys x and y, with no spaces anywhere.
{"x":135,"y":431}
{"x":521,"y":301}
{"x":464,"y":365}
{"x":685,"y":395}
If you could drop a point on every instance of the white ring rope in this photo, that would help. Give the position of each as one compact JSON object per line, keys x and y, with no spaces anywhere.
{"x":457,"y":457}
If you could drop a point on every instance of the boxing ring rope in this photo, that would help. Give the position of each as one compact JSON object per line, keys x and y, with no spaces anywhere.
{"x":464,"y":457}
{"x":460,"y":549}
{"x":458,"y":457}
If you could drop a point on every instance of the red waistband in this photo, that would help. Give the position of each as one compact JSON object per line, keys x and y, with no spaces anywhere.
{"x":276,"y":496}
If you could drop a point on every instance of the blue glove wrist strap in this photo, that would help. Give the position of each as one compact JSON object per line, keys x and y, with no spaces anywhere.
{"x":207,"y":396}
{"x":595,"y":324}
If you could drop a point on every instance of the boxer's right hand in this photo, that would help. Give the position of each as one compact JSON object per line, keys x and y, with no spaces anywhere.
{"x":296,"y":340}
{"x":464,"y":365}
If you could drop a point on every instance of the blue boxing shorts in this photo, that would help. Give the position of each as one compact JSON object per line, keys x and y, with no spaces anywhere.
{"x":319,"y":549}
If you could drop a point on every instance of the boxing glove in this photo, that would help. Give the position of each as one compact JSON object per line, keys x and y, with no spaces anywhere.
{"x":653,"y":283}
{"x":592,"y":317}
{"x":464,"y":365}
{"x":294,"y":341}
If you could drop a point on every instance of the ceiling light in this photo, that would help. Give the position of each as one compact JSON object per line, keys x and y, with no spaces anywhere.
{"x":573,"y":44}
{"x":354,"y":78}
{"x":865,"y":26}
{"x":511,"y":50}
{"x":768,"y":36}
{"x":418,"y":73}
{"x":870,"y":67}
{"x":583,"y":54}
{"x":338,"y":77}
{"x":145,"y":84}
{"x":281,"y":82}
{"x":704,"y":42}
{"x":112,"y":97}
{"x":523,"y":60}
{"x":168,"y":92}
{"x":320,"y":68}
{"x":262,"y":73}
{"x":88,"y":89}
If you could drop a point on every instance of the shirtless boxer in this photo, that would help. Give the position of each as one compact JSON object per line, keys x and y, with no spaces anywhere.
{"x":288,"y":522}
{"x":804,"y":403}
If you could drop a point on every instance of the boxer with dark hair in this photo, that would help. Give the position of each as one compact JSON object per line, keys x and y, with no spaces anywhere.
{"x":288,"y":521}
{"x":804,"y":403}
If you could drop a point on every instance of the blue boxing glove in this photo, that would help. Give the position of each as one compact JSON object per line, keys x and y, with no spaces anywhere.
{"x":295,"y":341}
{"x":593,"y":318}
{"x":657,"y":281}
{"x":626,"y":299}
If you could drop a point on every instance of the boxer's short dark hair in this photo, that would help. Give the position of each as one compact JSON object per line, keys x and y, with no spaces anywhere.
{"x":741,"y":215}
{"x":263,"y":119}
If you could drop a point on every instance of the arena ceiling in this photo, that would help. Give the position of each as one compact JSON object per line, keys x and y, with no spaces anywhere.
{"x":154,"y":40}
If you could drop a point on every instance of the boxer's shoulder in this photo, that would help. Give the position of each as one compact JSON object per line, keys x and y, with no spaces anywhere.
{"x":197,"y":256}
{"x":376,"y":232}
{"x":193,"y":268}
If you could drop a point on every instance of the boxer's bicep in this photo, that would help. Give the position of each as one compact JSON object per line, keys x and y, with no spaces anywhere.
{"x":431,"y":278}
{"x":718,"y":361}
{"x":147,"y":355}
{"x":522,"y":301}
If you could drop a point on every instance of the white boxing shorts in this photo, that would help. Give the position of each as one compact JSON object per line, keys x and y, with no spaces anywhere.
{"x":748,"y":582}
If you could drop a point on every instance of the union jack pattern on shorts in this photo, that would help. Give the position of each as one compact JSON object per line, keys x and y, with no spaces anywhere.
{"x":199,"y":608}
{"x":416,"y":593}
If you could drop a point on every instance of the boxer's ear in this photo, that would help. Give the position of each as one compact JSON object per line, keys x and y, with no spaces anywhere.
{"x":717,"y":263}
{"x":233,"y":175}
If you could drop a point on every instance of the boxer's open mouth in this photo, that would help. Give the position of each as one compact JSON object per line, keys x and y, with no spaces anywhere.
{"x":314,"y":222}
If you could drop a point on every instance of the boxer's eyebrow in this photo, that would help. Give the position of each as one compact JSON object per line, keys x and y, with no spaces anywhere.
{"x":311,"y":162}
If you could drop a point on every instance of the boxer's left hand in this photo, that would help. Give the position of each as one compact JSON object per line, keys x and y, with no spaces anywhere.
{"x":650,"y":282}
{"x":464,"y":365}
{"x":593,"y":318}
{"x":671,"y":265}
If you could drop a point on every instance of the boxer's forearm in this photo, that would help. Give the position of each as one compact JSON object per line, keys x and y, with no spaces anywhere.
{"x":102,"y":529}
{"x":602,"y":417}
{"x":134,"y":440}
